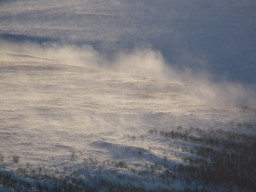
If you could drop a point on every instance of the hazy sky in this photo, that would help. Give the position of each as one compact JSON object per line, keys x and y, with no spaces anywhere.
{"x":217,"y":35}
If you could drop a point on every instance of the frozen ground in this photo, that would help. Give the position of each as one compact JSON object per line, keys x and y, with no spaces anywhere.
{"x":127,"y":95}
{"x":64,"y":118}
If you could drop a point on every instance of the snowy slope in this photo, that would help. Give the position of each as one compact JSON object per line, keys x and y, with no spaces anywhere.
{"x":66,"y":118}
{"x":127,"y":95}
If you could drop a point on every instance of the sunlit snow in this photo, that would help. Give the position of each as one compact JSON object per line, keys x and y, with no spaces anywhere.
{"x":125,"y":91}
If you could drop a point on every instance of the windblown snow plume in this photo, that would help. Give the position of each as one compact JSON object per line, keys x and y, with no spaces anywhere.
{"x":142,"y":62}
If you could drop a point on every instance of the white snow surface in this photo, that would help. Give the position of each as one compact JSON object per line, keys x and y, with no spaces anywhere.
{"x":87,"y":80}
{"x":50,"y":110}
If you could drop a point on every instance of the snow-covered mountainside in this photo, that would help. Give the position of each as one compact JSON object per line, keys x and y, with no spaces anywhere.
{"x":127,"y":95}
{"x":70,"y":127}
